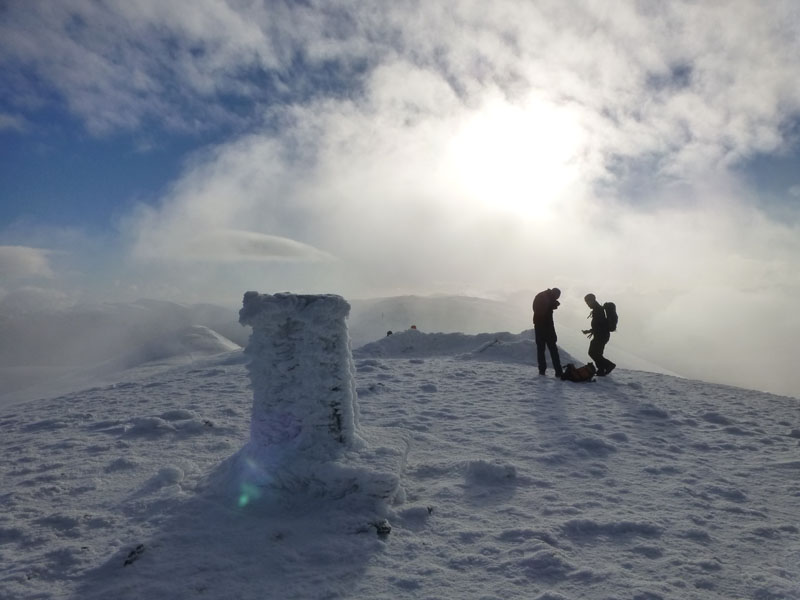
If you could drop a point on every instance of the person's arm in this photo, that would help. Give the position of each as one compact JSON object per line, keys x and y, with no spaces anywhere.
{"x":590,"y":332}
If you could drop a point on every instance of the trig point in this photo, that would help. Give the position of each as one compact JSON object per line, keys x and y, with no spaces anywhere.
{"x":302,"y":373}
{"x":305,"y":434}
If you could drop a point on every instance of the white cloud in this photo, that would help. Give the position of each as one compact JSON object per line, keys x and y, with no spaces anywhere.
{"x":12,"y":122}
{"x":227,"y":245}
{"x":120,"y":64}
{"x":18,"y":262}
{"x":29,"y":299}
{"x":382,"y":182}
{"x":701,"y":85}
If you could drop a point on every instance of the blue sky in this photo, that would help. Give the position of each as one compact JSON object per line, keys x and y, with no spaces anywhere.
{"x":193,"y":150}
{"x":62,"y":176}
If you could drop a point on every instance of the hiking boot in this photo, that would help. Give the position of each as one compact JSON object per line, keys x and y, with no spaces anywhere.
{"x":541,"y":371}
{"x":610,"y":368}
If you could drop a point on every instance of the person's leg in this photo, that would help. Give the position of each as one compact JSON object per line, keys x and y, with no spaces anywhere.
{"x":609,"y":365}
{"x":551,"y":344}
{"x":604,"y":366}
{"x":596,"y":354}
{"x":540,"y":344}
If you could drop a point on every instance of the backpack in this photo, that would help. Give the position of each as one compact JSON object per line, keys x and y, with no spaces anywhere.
{"x":578,"y":374}
{"x":611,"y":315}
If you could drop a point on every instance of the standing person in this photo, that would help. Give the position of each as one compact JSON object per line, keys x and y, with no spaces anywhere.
{"x":600,"y":333}
{"x":545,"y":329}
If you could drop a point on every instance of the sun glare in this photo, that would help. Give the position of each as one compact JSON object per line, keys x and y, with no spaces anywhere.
{"x":516,"y":158}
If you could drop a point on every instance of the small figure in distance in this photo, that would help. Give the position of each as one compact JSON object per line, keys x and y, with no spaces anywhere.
{"x":600,"y":333}
{"x":544,"y":303}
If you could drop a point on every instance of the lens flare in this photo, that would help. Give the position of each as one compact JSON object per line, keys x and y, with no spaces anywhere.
{"x":253,"y":478}
{"x":249,"y":492}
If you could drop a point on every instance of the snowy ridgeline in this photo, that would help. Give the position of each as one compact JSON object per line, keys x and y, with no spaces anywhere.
{"x":305,"y":434}
{"x":500,"y":346}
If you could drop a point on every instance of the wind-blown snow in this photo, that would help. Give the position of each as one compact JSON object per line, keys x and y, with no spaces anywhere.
{"x":639,"y":486}
{"x":46,"y":353}
{"x":52,"y":352}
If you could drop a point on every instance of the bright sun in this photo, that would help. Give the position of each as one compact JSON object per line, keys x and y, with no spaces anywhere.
{"x":516,"y":158}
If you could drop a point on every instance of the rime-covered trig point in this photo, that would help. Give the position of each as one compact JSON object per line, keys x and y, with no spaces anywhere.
{"x":305,"y":435}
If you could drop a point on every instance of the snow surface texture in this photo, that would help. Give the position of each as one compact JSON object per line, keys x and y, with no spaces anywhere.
{"x":640,"y":486}
{"x":304,"y":432}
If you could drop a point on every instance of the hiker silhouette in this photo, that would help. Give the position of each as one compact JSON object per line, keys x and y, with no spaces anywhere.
{"x":599,"y":334}
{"x":544,"y":303}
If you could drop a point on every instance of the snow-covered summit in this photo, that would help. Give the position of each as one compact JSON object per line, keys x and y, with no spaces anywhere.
{"x":500,"y":346}
{"x":372,"y":318}
{"x":638,"y":486}
{"x":512,"y":485}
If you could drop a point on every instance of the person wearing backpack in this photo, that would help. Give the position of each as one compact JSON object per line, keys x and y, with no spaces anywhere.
{"x":600,"y":333}
{"x":544,"y":303}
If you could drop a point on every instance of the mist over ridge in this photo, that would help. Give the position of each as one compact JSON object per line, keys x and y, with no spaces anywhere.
{"x":77,"y":346}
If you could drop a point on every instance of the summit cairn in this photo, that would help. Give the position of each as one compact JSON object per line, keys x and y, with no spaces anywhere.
{"x":305,"y":434}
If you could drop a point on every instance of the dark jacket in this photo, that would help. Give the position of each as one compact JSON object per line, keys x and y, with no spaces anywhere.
{"x":543,"y":306}
{"x":600,"y":328}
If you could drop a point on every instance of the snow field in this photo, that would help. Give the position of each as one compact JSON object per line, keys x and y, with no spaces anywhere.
{"x":636,"y":487}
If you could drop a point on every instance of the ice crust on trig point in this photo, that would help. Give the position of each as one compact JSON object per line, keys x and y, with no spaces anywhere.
{"x":305,"y":433}
{"x":302,"y":373}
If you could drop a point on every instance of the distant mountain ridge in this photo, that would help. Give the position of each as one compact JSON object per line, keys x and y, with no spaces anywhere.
{"x":55,"y":351}
{"x":42,"y":349}
{"x":90,"y":333}
{"x":371,"y":319}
